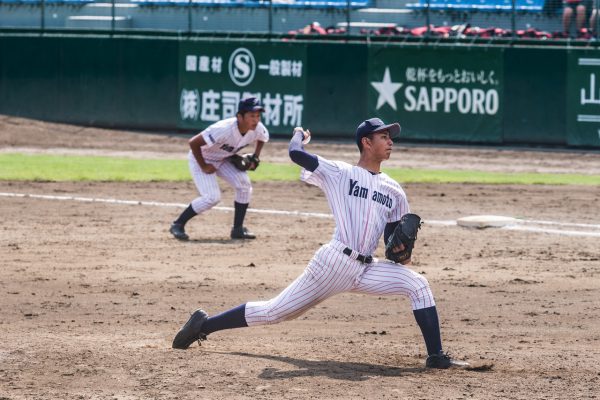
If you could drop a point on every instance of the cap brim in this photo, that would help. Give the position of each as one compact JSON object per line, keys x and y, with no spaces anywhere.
{"x":394,"y":130}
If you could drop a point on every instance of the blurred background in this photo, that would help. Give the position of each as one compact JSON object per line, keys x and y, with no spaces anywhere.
{"x":400,"y":19}
{"x":451,"y":71}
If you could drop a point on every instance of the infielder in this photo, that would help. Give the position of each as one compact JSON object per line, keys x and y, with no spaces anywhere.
{"x":366,"y":203}
{"x":210,"y":156}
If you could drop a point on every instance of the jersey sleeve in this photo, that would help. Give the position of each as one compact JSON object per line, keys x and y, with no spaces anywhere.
{"x":325,"y":171}
{"x":262,"y":133}
{"x":400,"y":207}
{"x":211,"y":135}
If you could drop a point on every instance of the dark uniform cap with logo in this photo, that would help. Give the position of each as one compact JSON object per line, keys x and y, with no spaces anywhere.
{"x":376,"y":125}
{"x":250,"y":104}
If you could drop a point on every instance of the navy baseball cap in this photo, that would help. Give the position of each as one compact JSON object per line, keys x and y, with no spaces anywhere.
{"x":376,"y":125}
{"x":250,"y":104}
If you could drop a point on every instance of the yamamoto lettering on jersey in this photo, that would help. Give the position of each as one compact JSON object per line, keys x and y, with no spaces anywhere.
{"x":359,"y":191}
{"x":383,"y":199}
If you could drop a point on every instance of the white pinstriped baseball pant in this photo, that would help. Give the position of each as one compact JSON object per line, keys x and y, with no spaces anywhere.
{"x":330,"y":272}
{"x":208,"y":187}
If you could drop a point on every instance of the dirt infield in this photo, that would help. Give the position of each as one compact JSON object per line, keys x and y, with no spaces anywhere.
{"x":93,"y":293}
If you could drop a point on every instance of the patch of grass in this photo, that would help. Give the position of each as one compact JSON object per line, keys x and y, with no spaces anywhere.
{"x":77,"y":168}
{"x":22,"y":167}
{"x":492,"y":178}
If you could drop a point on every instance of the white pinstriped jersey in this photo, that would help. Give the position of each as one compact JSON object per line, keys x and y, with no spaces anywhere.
{"x":362,"y":203}
{"x":224,"y":139}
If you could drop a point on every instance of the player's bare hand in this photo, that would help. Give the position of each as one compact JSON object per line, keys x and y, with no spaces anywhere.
{"x":208,"y":169}
{"x":305,"y":134}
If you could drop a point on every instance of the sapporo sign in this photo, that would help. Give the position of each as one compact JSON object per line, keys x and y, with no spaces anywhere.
{"x":448,"y":94}
{"x":583,"y":99}
{"x":214,"y":76}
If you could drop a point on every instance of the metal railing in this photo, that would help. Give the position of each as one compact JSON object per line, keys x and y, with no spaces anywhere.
{"x":437,"y":20}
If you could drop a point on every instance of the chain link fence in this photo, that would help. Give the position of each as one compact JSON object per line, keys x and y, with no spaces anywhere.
{"x":395,"y":20}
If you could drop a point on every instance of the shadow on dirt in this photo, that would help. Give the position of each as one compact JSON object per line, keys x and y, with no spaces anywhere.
{"x":348,"y":371}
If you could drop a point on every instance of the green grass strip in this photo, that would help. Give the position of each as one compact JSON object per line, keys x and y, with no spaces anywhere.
{"x":20,"y":167}
{"x":79,"y":168}
{"x":492,"y":178}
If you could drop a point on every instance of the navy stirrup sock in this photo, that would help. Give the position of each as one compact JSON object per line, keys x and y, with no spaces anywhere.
{"x":428,"y":321}
{"x":234,"y":318}
{"x":240,"y":213}
{"x":186,"y":215}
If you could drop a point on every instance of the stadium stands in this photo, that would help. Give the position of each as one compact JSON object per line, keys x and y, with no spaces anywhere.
{"x":479,"y":5}
{"x":341,"y":4}
{"x":37,"y":2}
{"x":258,"y":3}
{"x":481,"y":18}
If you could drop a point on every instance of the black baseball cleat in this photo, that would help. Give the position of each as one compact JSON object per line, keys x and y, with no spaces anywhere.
{"x":178,"y":231}
{"x":442,"y":360}
{"x":239,"y":232}
{"x":191,"y":331}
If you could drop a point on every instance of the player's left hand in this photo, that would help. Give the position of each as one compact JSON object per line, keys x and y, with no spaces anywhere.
{"x":253,"y":160}
{"x":247,"y":162}
{"x":401,"y":243}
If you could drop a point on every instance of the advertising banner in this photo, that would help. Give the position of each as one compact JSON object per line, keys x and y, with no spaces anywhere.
{"x":447,"y":94}
{"x":214,"y":76}
{"x":583,"y":99}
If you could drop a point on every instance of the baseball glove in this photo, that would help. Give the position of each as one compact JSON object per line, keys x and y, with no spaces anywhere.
{"x":405,"y":233}
{"x":245,"y":162}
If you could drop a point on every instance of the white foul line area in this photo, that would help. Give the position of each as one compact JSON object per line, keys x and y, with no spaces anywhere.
{"x":536,"y":226}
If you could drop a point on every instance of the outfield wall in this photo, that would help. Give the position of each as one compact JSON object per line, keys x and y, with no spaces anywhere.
{"x":454,"y":93}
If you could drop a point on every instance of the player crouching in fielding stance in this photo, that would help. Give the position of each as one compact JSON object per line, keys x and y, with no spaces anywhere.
{"x":366,"y":203}
{"x":213,"y":153}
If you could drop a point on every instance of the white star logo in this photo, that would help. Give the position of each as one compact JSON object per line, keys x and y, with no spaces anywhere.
{"x":386,"y":90}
